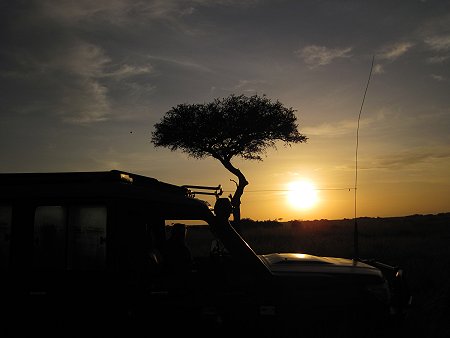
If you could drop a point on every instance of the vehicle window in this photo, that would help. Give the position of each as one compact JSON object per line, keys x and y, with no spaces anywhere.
{"x":5,"y":235}
{"x":198,"y":236}
{"x":87,"y":238}
{"x":70,"y":237}
{"x":50,"y":237}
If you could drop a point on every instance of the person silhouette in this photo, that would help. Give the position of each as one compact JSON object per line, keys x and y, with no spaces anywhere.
{"x":177,"y":256}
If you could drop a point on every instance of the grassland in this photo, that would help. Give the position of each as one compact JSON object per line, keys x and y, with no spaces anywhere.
{"x":419,"y":244}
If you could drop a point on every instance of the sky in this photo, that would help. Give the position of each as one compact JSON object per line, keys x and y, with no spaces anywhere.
{"x":83,"y":83}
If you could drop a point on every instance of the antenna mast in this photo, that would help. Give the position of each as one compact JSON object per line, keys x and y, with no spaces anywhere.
{"x":355,"y":233}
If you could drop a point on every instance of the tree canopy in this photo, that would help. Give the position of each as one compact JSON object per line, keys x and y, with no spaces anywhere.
{"x":235,"y":126}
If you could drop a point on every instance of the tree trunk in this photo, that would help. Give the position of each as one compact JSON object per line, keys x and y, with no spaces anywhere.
{"x":236,"y":198}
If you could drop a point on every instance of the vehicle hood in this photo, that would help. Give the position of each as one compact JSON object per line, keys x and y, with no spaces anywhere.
{"x":299,"y":263}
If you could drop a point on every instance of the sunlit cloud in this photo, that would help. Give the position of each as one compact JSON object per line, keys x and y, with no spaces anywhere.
{"x":181,"y":63}
{"x":378,"y":69}
{"x":74,"y":78}
{"x":438,"y":77}
{"x":331,"y":129}
{"x":393,"y":52}
{"x":86,"y":104}
{"x":438,"y":42}
{"x":244,"y":83}
{"x":126,"y":70}
{"x":82,"y":59}
{"x":121,"y":12}
{"x":114,"y":11}
{"x":249,"y":86}
{"x":435,"y":35}
{"x":411,"y":157}
{"x":66,"y":79}
{"x":315,"y":56}
{"x":343,"y":127}
{"x":84,"y":98}
{"x":242,"y":86}
{"x":438,"y":59}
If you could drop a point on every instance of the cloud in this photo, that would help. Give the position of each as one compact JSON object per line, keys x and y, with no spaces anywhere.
{"x":438,"y":42}
{"x":378,"y":69}
{"x":84,"y":99}
{"x":140,"y":14}
{"x":124,"y":12}
{"x":248,"y":85}
{"x":411,"y":157}
{"x":87,"y":103}
{"x":332,"y":129}
{"x":435,"y":35}
{"x":126,"y":70}
{"x":63,"y":74}
{"x":393,"y":52}
{"x":181,"y":63}
{"x":438,"y":59}
{"x":113,"y":11}
{"x":343,"y":127}
{"x":57,"y":80}
{"x":438,"y":77}
{"x":82,"y":59}
{"x":315,"y":56}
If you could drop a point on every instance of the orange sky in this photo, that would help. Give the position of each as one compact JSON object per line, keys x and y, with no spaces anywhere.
{"x":422,"y":188}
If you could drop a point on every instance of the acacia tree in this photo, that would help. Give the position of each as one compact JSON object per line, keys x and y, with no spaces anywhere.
{"x":235,"y":126}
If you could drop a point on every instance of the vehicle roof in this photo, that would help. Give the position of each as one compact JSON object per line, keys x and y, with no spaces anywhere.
{"x":95,"y":184}
{"x":111,"y":176}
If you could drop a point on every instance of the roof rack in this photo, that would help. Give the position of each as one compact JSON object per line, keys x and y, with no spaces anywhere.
{"x":214,"y":191}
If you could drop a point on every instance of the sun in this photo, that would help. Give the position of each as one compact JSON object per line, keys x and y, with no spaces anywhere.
{"x":302,"y":194}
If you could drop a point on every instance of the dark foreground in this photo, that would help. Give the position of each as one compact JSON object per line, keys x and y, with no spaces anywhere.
{"x":420,"y":244}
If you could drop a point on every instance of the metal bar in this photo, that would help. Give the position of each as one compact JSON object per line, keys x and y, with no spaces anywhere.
{"x":203,"y":187}
{"x":204,"y":193}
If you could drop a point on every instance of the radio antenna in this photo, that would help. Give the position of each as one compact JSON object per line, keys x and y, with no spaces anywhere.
{"x":355,"y":232}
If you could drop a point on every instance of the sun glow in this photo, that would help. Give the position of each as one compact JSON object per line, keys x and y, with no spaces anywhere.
{"x":302,"y":194}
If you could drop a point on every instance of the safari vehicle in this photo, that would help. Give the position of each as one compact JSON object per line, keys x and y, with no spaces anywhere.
{"x":84,"y":252}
